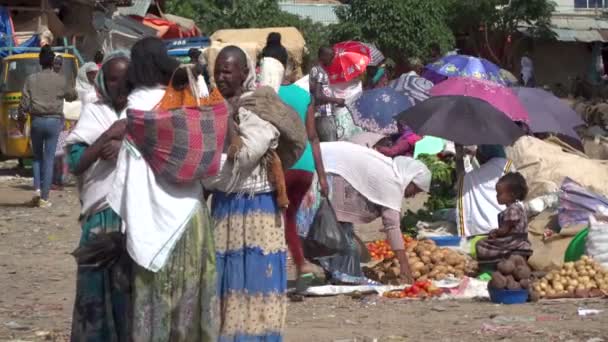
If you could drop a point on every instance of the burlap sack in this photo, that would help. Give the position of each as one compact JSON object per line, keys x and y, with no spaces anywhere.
{"x":265,"y":103}
{"x":254,"y":40}
{"x":548,"y":254}
{"x":546,"y":165}
{"x":596,"y":148}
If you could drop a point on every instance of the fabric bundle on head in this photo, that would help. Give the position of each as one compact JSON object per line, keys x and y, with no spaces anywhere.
{"x":100,"y":82}
{"x":271,"y":73}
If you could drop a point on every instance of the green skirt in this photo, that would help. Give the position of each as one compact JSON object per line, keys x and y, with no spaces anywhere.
{"x":101,"y":307}
{"x":102,"y":304}
{"x":179,"y":302}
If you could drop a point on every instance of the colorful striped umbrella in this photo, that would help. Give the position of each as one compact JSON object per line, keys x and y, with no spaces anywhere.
{"x":498,"y":96}
{"x":469,"y":66}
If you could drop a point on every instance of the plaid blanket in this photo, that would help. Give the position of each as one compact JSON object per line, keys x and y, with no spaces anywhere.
{"x":183,"y":144}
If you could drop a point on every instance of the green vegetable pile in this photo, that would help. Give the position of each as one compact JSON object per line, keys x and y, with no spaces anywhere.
{"x":442,"y":194}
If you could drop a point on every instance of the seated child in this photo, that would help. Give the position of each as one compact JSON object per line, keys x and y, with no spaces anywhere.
{"x":511,"y":237}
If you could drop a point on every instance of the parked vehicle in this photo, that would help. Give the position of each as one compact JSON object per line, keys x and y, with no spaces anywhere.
{"x":14,"y":70}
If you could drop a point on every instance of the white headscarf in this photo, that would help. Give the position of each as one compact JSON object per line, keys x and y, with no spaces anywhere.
{"x":414,"y":171}
{"x":82,"y":82}
{"x":86,"y":89}
{"x":271,"y":73}
{"x":380,"y":179}
{"x":250,"y":81}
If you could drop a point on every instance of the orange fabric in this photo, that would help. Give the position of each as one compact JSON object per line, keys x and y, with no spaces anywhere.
{"x":184,"y":98}
{"x":276,"y":176}
{"x":167,"y":29}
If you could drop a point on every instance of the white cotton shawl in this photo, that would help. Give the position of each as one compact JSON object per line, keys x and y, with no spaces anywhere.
{"x":95,"y":182}
{"x":380,"y":179}
{"x":154,"y":212}
{"x":271,"y":73}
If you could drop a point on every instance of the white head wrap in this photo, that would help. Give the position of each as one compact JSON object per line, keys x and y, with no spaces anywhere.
{"x":378,"y":178}
{"x":82,"y":82}
{"x":410,"y":170}
{"x":250,"y":81}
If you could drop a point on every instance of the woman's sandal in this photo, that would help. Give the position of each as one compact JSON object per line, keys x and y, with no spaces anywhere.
{"x":302,"y":283}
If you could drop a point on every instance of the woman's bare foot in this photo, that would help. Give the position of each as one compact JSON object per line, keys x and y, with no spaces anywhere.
{"x":305,"y":268}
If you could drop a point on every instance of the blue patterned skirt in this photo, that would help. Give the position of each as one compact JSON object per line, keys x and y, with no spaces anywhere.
{"x":251,"y":267}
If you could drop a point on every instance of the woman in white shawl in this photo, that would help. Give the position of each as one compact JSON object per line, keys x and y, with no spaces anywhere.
{"x":366,"y":185}
{"x":168,"y":228}
{"x":102,"y":295}
{"x":85,"y":83}
{"x":249,"y":230}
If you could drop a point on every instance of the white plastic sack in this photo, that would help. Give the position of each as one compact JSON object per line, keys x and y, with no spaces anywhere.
{"x":539,"y":204}
{"x":597,"y":240}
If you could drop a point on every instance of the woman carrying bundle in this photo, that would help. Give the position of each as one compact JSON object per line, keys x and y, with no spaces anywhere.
{"x":168,"y":225}
{"x":249,"y":201}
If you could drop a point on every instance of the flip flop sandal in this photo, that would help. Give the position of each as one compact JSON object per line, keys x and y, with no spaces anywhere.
{"x":303,"y":282}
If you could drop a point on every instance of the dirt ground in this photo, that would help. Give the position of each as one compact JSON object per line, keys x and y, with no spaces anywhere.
{"x":37,"y":290}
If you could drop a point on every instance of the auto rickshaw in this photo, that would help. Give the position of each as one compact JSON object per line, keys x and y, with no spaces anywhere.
{"x":14,"y":69}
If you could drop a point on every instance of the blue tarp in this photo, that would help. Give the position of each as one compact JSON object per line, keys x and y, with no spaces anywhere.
{"x":7,"y":35}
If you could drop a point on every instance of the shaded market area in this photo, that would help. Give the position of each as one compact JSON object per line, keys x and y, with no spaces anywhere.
{"x":299,"y":171}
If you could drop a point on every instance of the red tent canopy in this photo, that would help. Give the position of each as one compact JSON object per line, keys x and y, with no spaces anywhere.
{"x":168,"y":29}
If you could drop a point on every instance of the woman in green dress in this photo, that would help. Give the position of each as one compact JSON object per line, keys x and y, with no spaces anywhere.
{"x":101,"y":308}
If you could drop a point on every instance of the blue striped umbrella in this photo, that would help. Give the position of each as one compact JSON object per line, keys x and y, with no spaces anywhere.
{"x":375,"y":54}
{"x":415,"y":87}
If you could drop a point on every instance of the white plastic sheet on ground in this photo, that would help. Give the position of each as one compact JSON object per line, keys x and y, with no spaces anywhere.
{"x":451,"y":284}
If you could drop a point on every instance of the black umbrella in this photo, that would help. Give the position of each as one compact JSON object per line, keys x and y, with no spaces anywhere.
{"x":461,"y":119}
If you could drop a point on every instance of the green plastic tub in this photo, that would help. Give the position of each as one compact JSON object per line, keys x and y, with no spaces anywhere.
{"x":576,"y":248}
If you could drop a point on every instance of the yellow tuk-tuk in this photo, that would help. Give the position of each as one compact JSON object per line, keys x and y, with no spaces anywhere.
{"x":14,"y":134}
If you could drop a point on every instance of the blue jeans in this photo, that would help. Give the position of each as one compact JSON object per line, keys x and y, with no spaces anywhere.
{"x":44,"y":134}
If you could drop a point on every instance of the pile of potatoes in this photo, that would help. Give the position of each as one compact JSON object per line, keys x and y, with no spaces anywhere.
{"x":581,"y":279}
{"x":429,"y":262}
{"x":387,"y":272}
{"x":512,"y":274}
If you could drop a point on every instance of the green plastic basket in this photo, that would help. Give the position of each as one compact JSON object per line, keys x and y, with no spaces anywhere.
{"x":576,"y":248}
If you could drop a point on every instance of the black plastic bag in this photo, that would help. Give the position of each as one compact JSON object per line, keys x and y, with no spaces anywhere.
{"x":347,"y":262}
{"x":102,"y":251}
{"x":325,"y":236}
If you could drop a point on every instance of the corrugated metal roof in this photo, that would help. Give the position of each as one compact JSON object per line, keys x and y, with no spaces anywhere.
{"x":564,"y":35}
{"x":324,"y":14}
{"x":588,"y":36}
{"x":139,"y":8}
{"x":579,"y":23}
{"x":578,"y":29}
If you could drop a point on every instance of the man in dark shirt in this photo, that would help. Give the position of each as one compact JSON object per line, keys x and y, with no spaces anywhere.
{"x":42,"y":98}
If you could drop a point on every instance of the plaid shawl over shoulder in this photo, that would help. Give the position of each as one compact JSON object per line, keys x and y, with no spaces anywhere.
{"x":182,"y":144}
